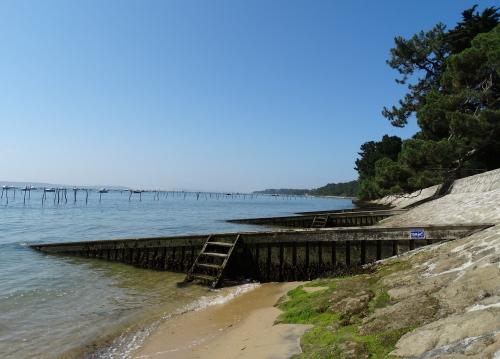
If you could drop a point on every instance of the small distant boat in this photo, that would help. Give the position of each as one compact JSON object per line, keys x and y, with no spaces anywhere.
{"x":103,"y":190}
{"x":49,"y":190}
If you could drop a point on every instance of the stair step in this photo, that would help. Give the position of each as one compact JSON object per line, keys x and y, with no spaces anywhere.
{"x":224,"y":244}
{"x":217,"y":280}
{"x":212,"y":254}
{"x":206,"y":265}
{"x":204,"y":277}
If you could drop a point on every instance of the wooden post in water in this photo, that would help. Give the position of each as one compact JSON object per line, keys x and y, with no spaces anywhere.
{"x":6,"y":194}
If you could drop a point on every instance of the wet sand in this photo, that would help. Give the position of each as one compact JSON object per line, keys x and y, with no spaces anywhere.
{"x":241,"y":328}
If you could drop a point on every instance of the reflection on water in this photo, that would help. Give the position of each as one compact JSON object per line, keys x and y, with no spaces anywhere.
{"x":54,"y":305}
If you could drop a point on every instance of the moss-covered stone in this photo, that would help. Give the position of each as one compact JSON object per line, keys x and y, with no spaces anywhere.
{"x":343,"y":315}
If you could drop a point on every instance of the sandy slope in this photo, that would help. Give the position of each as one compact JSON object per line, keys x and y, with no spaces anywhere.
{"x":241,"y":328}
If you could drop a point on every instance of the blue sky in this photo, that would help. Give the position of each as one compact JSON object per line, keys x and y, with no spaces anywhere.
{"x":205,"y":95}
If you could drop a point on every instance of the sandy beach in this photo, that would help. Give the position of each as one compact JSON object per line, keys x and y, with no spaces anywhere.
{"x":241,"y":328}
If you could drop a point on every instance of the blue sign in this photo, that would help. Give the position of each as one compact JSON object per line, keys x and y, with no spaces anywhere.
{"x":417,"y":234}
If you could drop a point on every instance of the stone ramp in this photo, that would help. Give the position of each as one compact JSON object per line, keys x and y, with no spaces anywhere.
{"x":474,"y":199}
{"x":461,"y":278}
{"x":480,"y":183}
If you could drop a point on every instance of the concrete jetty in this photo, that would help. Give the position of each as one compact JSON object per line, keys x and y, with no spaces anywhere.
{"x":294,"y":254}
{"x":341,"y":218}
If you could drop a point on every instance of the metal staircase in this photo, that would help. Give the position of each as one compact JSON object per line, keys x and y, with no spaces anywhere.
{"x":319,"y":221}
{"x":210,"y":265}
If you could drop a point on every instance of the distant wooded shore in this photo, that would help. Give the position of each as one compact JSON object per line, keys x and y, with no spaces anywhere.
{"x":341,"y":189}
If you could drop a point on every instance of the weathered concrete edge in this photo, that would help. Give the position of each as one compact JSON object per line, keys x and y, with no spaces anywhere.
{"x":278,"y":236}
{"x":299,"y":216}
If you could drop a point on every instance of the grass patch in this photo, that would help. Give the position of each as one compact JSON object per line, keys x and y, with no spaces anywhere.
{"x":345,"y":342}
{"x":301,"y":307}
{"x":336,"y":335}
{"x":382,"y":299}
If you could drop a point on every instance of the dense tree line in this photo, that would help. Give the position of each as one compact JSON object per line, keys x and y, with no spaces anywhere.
{"x":344,"y":189}
{"x":452,"y":78}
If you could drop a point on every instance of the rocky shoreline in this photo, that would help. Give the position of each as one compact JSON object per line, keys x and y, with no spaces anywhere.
{"x":441,"y":301}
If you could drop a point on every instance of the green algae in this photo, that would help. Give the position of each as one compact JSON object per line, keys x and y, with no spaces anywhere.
{"x":337,"y":334}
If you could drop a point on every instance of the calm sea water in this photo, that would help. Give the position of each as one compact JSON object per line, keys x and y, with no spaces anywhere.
{"x":52,"y":306}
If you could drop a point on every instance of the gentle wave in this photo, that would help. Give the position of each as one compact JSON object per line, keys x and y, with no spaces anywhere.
{"x":127,"y":343}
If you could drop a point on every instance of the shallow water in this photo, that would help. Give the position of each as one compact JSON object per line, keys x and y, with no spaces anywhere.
{"x":55,"y":305}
